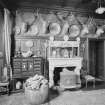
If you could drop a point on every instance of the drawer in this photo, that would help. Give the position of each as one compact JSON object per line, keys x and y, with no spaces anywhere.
{"x":37,"y":66}
{"x":27,"y":59}
{"x":38,"y":72}
{"x":16,"y":70}
{"x":16,"y":64}
{"x":37,"y":63}
{"x":17,"y":60}
{"x":37,"y":59}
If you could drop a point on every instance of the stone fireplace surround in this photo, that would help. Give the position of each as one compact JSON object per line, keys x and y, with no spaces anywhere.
{"x":64,"y":62}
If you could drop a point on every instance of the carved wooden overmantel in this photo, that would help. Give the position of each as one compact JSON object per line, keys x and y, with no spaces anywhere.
{"x":62,"y":54}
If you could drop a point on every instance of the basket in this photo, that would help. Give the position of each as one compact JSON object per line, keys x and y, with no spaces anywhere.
{"x":36,"y":97}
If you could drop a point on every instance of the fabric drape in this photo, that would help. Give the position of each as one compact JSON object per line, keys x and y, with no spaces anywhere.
{"x":7,"y":37}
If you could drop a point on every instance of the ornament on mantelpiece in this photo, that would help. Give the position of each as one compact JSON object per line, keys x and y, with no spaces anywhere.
{"x":66,"y":37}
{"x":54,"y":53}
{"x":18,"y":85}
{"x":17,"y":30}
{"x":51,"y":38}
{"x":29,"y":45}
{"x":39,"y":53}
{"x":23,"y":27}
{"x":65,"y":53}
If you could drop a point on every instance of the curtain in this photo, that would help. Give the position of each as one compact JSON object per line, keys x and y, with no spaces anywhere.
{"x":7,"y":38}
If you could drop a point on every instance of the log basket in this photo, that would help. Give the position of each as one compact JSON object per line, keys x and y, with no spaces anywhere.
{"x":36,"y":97}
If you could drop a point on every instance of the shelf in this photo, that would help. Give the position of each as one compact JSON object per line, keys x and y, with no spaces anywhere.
{"x":30,"y":37}
{"x":56,"y":37}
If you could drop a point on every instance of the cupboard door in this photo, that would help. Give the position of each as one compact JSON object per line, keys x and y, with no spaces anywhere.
{"x":30,"y":66}
{"x":24,"y":66}
{"x":16,"y":66}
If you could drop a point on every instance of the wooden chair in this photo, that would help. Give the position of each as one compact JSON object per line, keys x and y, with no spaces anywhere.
{"x":4,"y":83}
{"x":87,"y":77}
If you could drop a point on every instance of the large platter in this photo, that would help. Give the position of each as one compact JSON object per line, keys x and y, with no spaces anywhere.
{"x":74,"y":30}
{"x":54,"y":28}
{"x":34,"y":30}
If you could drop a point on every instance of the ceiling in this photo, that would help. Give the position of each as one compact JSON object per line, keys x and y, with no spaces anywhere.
{"x":86,"y":6}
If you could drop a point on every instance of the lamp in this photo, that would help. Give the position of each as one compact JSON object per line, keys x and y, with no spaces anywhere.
{"x":100,"y":9}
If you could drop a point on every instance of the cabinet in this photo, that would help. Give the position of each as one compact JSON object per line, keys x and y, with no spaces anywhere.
{"x":26,"y":67}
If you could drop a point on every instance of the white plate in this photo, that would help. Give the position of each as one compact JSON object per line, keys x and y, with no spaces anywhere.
{"x":54,"y":28}
{"x":74,"y":30}
{"x":34,"y":30}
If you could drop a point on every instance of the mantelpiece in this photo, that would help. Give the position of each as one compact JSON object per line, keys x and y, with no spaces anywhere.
{"x":69,"y":58}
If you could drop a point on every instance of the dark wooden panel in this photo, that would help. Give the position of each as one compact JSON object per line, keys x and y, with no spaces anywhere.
{"x":27,"y":66}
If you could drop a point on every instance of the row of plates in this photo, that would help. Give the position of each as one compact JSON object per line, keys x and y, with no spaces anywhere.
{"x":54,"y":29}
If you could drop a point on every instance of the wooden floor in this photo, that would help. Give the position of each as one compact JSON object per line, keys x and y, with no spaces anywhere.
{"x":83,"y":96}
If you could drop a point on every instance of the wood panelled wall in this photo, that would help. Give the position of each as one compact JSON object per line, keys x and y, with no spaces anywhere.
{"x":39,"y":44}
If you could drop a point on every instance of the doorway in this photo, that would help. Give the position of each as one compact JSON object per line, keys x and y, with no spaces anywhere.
{"x":96,"y":58}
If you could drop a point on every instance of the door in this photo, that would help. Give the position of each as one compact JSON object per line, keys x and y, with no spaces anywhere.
{"x":92,"y":57}
{"x":96,"y":58}
{"x":100,"y":59}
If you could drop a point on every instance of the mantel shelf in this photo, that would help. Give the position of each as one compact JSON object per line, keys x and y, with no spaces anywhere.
{"x":30,"y":37}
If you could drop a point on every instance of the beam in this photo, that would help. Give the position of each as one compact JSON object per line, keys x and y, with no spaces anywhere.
{"x":2,"y":4}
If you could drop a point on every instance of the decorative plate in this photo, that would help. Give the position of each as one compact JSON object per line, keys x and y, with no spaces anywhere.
{"x":74,"y":30}
{"x":29,"y":43}
{"x":65,"y":53}
{"x":34,"y":29}
{"x":54,"y":28}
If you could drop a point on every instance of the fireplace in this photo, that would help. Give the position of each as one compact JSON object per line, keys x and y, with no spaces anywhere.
{"x":65,"y":62}
{"x":64,"y":54}
{"x":65,"y":77}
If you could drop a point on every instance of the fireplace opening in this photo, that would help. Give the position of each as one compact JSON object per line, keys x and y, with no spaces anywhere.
{"x":56,"y":77}
{"x":57,"y":71}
